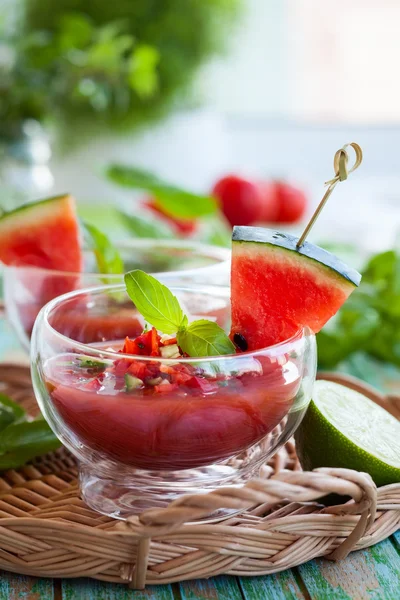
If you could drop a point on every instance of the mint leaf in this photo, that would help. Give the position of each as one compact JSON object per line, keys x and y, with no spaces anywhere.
{"x":33,"y":438}
{"x":10,"y":412}
{"x":175,"y":201}
{"x":21,"y":442}
{"x":6,"y":417}
{"x":142,"y":227}
{"x":155,"y":302}
{"x":204,"y":338}
{"x":161,"y":309}
{"x":381,"y":268}
{"x":107,"y":256}
{"x":370,"y":319}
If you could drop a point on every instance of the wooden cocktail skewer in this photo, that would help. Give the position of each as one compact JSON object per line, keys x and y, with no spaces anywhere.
{"x":340,"y":164}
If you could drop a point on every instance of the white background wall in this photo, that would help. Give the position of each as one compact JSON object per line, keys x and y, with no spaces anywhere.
{"x":312,"y":61}
{"x":300,"y":80}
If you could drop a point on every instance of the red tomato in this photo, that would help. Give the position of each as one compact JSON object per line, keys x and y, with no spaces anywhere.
{"x":270,"y":205}
{"x":183,"y":226}
{"x":241,"y":200}
{"x":291,"y":202}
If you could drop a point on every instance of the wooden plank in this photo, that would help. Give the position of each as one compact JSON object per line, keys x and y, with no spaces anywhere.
{"x":282,"y":586}
{"x":218,"y":588}
{"x":372,"y":574}
{"x":17,"y":587}
{"x":89,"y":589}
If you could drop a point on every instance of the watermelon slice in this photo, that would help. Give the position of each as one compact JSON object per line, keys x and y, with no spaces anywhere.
{"x":277,"y":289}
{"x":42,"y":234}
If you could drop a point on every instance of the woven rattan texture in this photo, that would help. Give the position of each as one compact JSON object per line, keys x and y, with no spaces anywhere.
{"x":46,"y":530}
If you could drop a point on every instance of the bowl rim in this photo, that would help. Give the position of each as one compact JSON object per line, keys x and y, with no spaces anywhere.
{"x":43,"y":317}
{"x":220,"y":253}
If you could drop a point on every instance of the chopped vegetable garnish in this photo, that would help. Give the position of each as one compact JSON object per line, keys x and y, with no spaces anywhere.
{"x":161,"y":309}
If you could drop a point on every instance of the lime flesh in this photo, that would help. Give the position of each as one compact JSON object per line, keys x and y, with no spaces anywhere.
{"x":343,"y":428}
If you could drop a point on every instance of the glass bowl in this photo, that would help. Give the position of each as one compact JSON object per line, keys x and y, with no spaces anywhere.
{"x":198,"y":424}
{"x":28,"y":289}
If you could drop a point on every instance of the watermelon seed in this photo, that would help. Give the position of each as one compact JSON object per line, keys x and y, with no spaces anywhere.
{"x":240,"y":341}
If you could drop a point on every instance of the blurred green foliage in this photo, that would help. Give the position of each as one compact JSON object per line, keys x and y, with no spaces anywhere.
{"x":175,"y":201}
{"x":114,"y":63}
{"x":369,"y":321}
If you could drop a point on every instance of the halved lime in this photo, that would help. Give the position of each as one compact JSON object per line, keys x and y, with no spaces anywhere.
{"x":343,"y":428}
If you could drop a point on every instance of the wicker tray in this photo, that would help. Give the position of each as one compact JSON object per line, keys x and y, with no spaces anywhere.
{"x":46,"y":530}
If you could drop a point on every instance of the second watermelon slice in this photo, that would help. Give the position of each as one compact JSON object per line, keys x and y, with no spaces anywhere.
{"x":42,"y":234}
{"x":276,"y":289}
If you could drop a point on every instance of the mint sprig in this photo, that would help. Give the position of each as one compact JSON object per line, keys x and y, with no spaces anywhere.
{"x":175,"y":201}
{"x":155,"y":302}
{"x":204,"y":338}
{"x":21,"y":440}
{"x":108,"y":258}
{"x":144,"y":227}
{"x":162,"y":310}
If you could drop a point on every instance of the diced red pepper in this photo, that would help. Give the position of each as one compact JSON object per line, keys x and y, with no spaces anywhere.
{"x":130,"y":346}
{"x":155,"y":342}
{"x":138,"y":369}
{"x":201,"y":384}
{"x":169,"y":342}
{"x":121,"y":366}
{"x":167,"y":369}
{"x":165,"y":388}
{"x":94,"y":385}
{"x":181,"y":378}
{"x":146,"y":344}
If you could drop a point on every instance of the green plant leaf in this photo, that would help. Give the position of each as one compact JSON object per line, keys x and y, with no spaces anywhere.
{"x":107,"y":256}
{"x":155,"y":302}
{"x":15,"y":459}
{"x":205,"y":338}
{"x":75,"y":31}
{"x":146,"y":228}
{"x":27,"y":440}
{"x":380,"y":267}
{"x":370,"y":319}
{"x":6,"y":417}
{"x":8,"y":406}
{"x":20,"y":440}
{"x":175,"y":201}
{"x":143,"y":76}
{"x":10,"y":412}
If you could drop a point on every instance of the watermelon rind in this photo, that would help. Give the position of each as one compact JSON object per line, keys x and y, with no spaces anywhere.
{"x":286,"y":241}
{"x":42,"y":234}
{"x":22,"y":212}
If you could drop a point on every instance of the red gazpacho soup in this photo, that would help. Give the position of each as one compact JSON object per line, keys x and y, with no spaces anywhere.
{"x":168,"y":415}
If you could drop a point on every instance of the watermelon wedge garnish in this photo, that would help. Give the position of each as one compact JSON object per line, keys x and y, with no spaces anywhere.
{"x":42,"y":234}
{"x":276,"y":289}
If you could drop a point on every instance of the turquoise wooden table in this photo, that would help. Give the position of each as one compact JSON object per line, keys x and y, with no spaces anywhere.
{"x":372,"y":574}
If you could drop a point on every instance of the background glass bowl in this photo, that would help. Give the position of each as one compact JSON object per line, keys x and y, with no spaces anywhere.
{"x":138,"y":450}
{"x":28,"y":289}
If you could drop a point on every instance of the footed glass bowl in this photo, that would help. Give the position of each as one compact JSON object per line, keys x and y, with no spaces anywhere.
{"x":27,"y":289}
{"x":147,"y":429}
